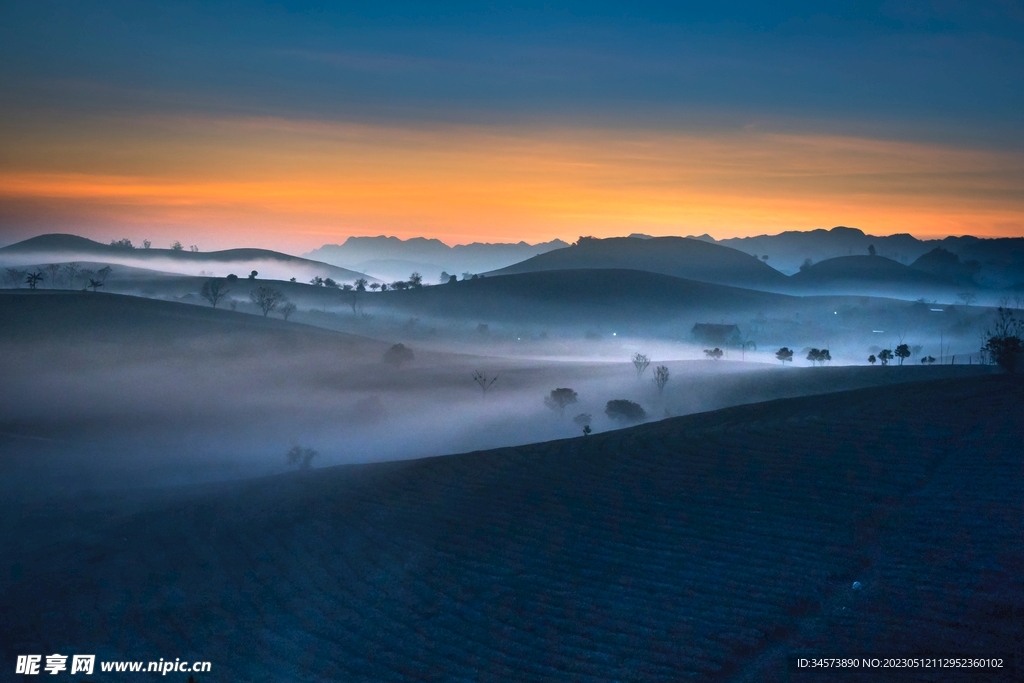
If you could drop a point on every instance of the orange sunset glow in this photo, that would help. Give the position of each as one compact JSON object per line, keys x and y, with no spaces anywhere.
{"x":297,"y":184}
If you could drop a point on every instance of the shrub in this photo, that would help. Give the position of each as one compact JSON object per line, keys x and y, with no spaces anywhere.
{"x":624,"y":411}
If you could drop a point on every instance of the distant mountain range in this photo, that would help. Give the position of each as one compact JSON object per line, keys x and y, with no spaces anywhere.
{"x":59,"y":248}
{"x":998,"y":262}
{"x":391,"y":258}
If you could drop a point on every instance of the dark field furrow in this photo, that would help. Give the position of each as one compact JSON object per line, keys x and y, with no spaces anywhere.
{"x":699,"y":548}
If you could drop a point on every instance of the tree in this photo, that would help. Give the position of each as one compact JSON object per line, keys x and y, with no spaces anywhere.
{"x":300,"y":456}
{"x":317,"y":281}
{"x":640,"y":362}
{"x":872,"y":359}
{"x":123,"y":243}
{"x":1003,"y":342}
{"x":267,"y":298}
{"x":146,"y":244}
{"x":819,"y":355}
{"x":661,"y":376}
{"x":103,"y":273}
{"x":33,"y":279}
{"x":885,"y":355}
{"x":715,"y":353}
{"x":583,"y":421}
{"x":967,"y":297}
{"x":53,"y":269}
{"x":902,"y":352}
{"x":329,"y":282}
{"x":558,"y":399}
{"x":375,"y":286}
{"x":400,"y":285}
{"x":214,"y":290}
{"x":194,"y":249}
{"x":94,"y":284}
{"x":177,"y":246}
{"x":871,"y":250}
{"x":70,"y":271}
{"x":398,"y":354}
{"x":806,"y":264}
{"x":253,"y":274}
{"x":415,"y":280}
{"x":232,"y":278}
{"x":928,"y":360}
{"x":287,"y":309}
{"x":361,"y":284}
{"x":624,"y":411}
{"x":483,"y":381}
{"x":15,"y":277}
{"x":785,"y":355}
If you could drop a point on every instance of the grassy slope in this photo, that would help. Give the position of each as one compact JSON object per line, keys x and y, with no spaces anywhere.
{"x":698,"y":548}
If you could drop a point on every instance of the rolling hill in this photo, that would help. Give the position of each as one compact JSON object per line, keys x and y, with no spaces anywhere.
{"x":706,"y":548}
{"x":58,"y":248}
{"x":679,"y":257}
{"x":871,"y":275}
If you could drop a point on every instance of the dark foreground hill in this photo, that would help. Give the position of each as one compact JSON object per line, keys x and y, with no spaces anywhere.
{"x":702,"y":548}
{"x":680,"y":257}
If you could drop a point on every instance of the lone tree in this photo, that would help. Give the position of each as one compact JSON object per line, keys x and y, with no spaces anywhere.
{"x":214,"y":290}
{"x":483,"y":381}
{"x":583,"y":421}
{"x":361,"y":284}
{"x":416,"y":280}
{"x":558,"y":399}
{"x":94,"y":284}
{"x":902,"y":352}
{"x":267,"y":298}
{"x":398,"y":354}
{"x":967,"y":297}
{"x":661,"y":376}
{"x":287,"y":309}
{"x":253,"y":274}
{"x":622,"y":410}
{"x":177,"y":246}
{"x":785,"y":355}
{"x":33,"y":279}
{"x":302,"y":457}
{"x":872,"y":359}
{"x":640,"y":362}
{"x":715,"y":353}
{"x":53,"y":269}
{"x":885,"y":355}
{"x":1003,"y":344}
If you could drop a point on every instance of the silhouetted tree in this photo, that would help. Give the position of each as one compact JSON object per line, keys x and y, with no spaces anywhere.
{"x":232,"y":278}
{"x":287,"y":309}
{"x":53,"y":269}
{"x":806,"y":264}
{"x":558,"y":399}
{"x":398,"y":354}
{"x":194,"y":249}
{"x":661,"y":376}
{"x":94,"y":284}
{"x":146,"y":244}
{"x":329,"y":282}
{"x":785,"y":355}
{"x":583,"y":421}
{"x":445,"y":277}
{"x":1003,"y":342}
{"x":819,"y":355}
{"x":640,"y":362}
{"x":303,"y":457}
{"x":715,"y":353}
{"x":885,"y":355}
{"x":375,"y":286}
{"x":214,"y":290}
{"x":624,"y":411}
{"x":361,"y":284}
{"x":400,"y":285}
{"x":872,"y":359}
{"x":267,"y":298}
{"x":103,"y":272}
{"x":902,"y":352}
{"x":177,"y":246}
{"x":928,"y":360}
{"x":415,"y":280}
{"x":967,"y":297}
{"x":15,"y":277}
{"x":253,"y":274}
{"x":33,"y":279}
{"x":317,"y":281}
{"x":871,"y":249}
{"x":123,"y":243}
{"x":70,"y":271}
{"x":483,"y":381}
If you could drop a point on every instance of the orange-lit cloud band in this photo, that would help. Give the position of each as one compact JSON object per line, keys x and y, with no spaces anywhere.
{"x":295,"y":185}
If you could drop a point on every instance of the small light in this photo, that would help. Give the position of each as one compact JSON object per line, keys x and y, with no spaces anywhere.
{"x":614,"y":334}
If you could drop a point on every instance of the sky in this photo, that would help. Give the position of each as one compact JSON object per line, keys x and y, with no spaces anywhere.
{"x":290,"y":125}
